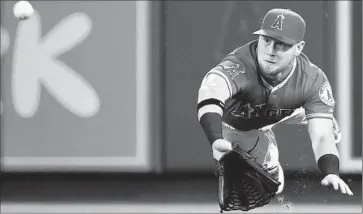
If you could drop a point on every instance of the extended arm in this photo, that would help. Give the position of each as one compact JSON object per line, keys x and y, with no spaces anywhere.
{"x":219,"y":84}
{"x":326,"y":153}
{"x":212,"y":94}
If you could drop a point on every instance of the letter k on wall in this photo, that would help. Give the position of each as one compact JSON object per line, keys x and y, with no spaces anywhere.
{"x":35,"y":64}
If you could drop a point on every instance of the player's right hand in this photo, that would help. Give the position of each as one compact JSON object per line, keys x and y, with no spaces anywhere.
{"x":220,"y":147}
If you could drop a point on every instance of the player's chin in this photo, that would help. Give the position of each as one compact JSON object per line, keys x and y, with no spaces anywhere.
{"x":270,"y":69}
{"x":271,"y":72}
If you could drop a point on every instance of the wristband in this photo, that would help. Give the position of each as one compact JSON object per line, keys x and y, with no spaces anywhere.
{"x":329,"y":164}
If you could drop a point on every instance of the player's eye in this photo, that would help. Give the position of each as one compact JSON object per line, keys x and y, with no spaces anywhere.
{"x":266,"y":39}
{"x":282,"y":46}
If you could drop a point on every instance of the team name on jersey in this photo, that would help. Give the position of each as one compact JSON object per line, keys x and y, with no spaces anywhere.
{"x":246,"y":111}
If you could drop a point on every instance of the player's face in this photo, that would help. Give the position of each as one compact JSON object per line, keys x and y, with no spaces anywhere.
{"x":273,"y":55}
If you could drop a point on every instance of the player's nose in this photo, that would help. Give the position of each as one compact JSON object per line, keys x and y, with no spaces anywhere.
{"x":270,"y":48}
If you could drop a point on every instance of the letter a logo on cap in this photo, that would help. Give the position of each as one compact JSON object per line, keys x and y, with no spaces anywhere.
{"x":278,"y":22}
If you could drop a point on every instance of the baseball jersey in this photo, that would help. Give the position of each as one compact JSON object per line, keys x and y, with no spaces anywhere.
{"x":254,"y":103}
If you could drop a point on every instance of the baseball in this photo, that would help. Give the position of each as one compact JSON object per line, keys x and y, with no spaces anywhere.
{"x":23,"y":10}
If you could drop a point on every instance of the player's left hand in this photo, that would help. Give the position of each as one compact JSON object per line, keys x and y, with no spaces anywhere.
{"x":337,"y":184}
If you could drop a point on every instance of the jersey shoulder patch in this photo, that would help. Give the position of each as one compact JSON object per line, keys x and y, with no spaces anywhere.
{"x":232,"y":69}
{"x":326,"y":94}
{"x":237,"y":62}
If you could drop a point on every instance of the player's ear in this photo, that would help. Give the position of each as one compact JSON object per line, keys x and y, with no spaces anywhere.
{"x":299,"y":48}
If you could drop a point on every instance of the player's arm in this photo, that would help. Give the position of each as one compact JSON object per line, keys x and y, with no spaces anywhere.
{"x":212,"y":95}
{"x":319,"y":114}
{"x":219,"y":84}
{"x":326,"y":153}
{"x":325,"y":150}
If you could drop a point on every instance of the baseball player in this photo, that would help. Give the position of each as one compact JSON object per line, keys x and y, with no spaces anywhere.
{"x":267,"y":82}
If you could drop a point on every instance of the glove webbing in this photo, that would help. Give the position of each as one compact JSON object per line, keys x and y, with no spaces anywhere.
{"x":254,"y":194}
{"x":254,"y":198}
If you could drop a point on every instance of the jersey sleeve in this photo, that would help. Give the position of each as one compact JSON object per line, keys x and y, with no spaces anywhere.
{"x":320,"y":101}
{"x":233,"y":71}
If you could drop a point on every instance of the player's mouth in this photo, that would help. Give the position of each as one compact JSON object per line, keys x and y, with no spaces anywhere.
{"x":270,"y":62}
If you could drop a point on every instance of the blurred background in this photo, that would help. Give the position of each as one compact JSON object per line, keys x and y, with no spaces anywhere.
{"x":98,"y":103}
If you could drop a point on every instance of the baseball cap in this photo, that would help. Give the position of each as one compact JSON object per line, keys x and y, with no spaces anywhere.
{"x":284,"y":25}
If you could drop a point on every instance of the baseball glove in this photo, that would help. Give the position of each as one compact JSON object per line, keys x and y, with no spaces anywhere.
{"x":243,"y":183}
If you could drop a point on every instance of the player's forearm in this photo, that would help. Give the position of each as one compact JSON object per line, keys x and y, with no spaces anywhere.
{"x":211,"y":124}
{"x":324,"y":147}
{"x":326,"y":154}
{"x":210,"y":111}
